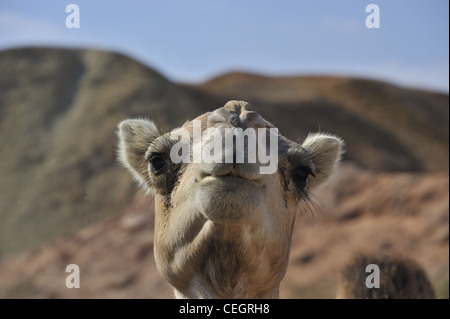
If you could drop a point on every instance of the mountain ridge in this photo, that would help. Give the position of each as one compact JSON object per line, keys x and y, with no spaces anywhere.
{"x":59,"y":109}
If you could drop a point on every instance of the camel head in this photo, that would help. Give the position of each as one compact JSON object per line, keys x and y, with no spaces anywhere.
{"x":227,"y":187}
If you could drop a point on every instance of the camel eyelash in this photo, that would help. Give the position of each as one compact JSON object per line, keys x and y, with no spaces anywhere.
{"x":161,"y":145}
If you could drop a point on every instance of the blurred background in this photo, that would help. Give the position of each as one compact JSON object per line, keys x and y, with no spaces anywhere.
{"x":305,"y":66}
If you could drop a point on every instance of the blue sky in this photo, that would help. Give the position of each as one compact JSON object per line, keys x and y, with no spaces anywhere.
{"x":198,"y":39}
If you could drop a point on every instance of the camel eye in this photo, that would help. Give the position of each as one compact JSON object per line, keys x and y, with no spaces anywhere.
{"x":157,"y":163}
{"x":300,"y":175}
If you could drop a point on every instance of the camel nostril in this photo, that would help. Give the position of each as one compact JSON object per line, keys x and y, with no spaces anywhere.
{"x":234,"y":120}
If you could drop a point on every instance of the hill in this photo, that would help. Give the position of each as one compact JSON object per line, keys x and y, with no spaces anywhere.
{"x":60,"y":177}
{"x":386,"y":127}
{"x":58,"y":113}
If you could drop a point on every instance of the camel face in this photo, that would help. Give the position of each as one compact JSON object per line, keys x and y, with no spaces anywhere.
{"x":235,"y":189}
{"x":227,"y":187}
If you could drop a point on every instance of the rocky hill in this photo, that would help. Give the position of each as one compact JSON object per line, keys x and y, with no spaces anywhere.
{"x":386,"y":127}
{"x":58,"y":113}
{"x":64,"y":198}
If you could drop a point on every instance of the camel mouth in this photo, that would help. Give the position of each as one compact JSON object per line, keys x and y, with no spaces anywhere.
{"x":230,"y":178}
{"x":229,"y":198}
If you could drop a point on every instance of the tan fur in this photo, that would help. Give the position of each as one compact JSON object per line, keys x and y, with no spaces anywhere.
{"x":222,"y":230}
{"x":324,"y":149}
{"x":400,"y":278}
{"x":134,"y":138}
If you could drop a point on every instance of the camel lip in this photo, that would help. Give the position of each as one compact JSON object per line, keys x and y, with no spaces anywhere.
{"x":229,"y":178}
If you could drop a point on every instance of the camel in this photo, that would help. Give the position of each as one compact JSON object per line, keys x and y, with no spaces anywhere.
{"x":223,"y":229}
{"x":400,"y":278}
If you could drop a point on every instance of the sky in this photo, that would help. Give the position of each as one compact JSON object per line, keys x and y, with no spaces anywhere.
{"x":194,"y":40}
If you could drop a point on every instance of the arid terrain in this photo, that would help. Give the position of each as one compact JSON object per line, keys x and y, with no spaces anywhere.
{"x":65,"y":199}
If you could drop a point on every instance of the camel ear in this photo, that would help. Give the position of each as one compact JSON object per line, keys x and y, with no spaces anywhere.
{"x":326,"y":151}
{"x":135,"y":136}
